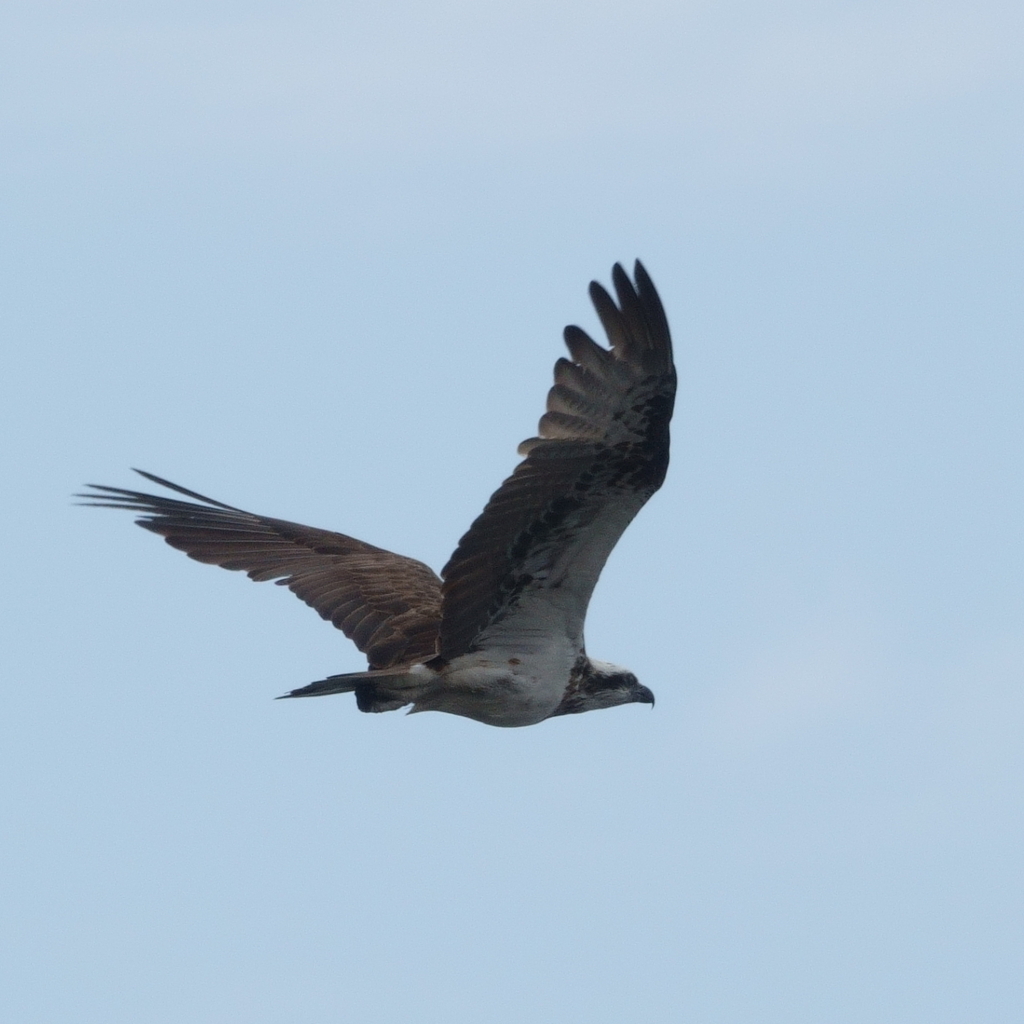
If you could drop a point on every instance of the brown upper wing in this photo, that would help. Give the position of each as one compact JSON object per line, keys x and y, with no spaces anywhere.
{"x":387,"y":604}
{"x":528,"y":565}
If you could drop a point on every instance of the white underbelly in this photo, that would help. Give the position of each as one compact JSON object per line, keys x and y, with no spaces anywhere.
{"x":505,"y":687}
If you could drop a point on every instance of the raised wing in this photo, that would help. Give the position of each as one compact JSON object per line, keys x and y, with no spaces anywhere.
{"x":525,"y":570}
{"x":387,"y":604}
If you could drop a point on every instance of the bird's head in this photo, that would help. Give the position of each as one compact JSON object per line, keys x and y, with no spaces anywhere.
{"x":599,"y":684}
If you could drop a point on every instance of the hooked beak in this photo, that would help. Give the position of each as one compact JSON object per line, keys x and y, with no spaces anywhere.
{"x":644,"y":696}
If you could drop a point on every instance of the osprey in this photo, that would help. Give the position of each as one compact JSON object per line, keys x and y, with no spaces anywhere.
{"x":498,"y":637}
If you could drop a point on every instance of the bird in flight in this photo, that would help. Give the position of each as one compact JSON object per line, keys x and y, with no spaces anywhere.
{"x":498,"y":636}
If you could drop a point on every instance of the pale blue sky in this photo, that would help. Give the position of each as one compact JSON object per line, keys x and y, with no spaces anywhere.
{"x":315,"y":262}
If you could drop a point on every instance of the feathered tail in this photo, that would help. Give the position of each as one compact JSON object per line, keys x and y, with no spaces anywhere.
{"x":384,"y":689}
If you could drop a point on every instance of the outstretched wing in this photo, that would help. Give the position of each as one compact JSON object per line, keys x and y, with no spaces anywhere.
{"x":525,"y":570}
{"x":387,"y":604}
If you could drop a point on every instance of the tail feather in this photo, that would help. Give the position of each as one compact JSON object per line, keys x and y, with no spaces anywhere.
{"x":375,"y":689}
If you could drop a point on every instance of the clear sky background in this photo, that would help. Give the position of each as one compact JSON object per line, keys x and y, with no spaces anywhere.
{"x":314,"y":260}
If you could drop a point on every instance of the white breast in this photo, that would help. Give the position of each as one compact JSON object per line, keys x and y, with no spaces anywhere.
{"x":505,"y":686}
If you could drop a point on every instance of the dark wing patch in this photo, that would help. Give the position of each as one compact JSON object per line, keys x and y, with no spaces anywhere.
{"x":387,"y":604}
{"x":602,"y":450}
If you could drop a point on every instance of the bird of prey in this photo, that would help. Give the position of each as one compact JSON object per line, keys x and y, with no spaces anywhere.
{"x":498,"y":637}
